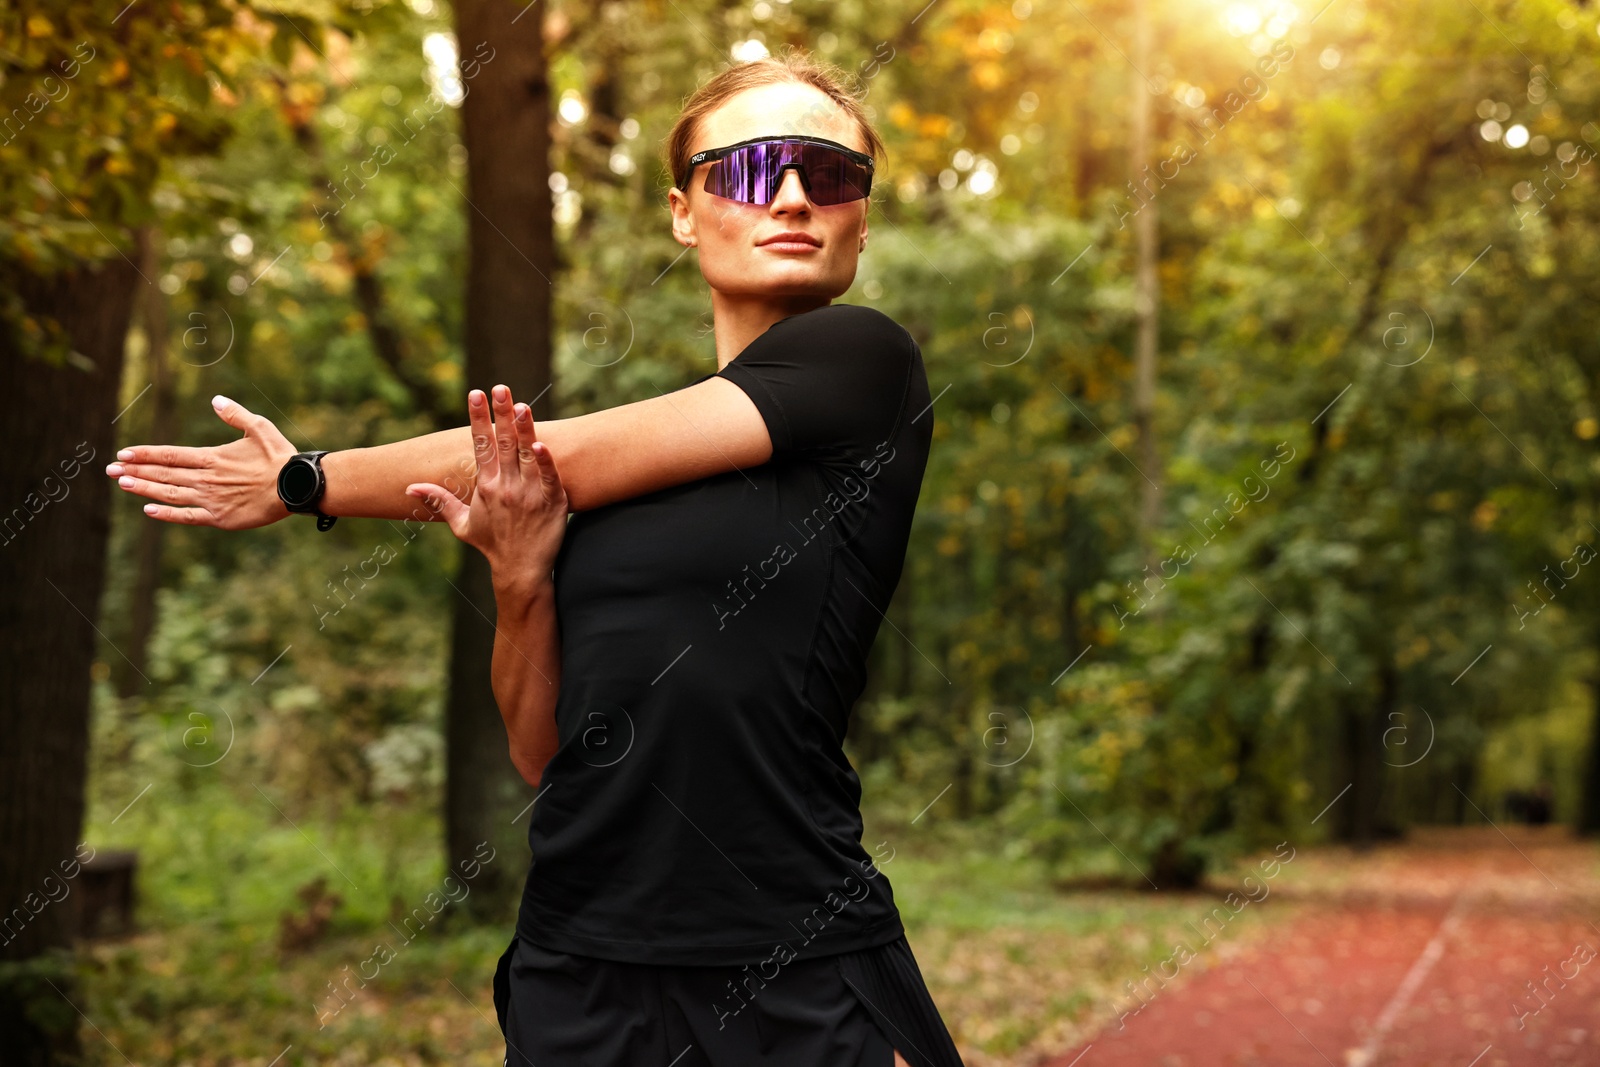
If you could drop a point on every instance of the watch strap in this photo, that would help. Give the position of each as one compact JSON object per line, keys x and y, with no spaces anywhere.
{"x":324,"y":522}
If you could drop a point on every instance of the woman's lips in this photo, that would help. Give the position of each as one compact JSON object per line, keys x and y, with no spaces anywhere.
{"x":791,"y":241}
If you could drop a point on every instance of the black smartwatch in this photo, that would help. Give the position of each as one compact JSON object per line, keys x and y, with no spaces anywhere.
{"x":301,"y":485}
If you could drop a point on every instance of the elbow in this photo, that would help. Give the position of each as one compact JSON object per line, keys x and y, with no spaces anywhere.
{"x":528,"y":772}
{"x":531,"y":770}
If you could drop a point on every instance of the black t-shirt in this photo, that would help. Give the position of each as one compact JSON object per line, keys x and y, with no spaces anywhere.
{"x":714,"y":637}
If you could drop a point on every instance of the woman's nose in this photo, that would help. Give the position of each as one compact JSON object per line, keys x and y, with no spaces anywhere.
{"x":791,"y":190}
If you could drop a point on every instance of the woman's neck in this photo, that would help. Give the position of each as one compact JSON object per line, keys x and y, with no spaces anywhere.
{"x":741,"y":318}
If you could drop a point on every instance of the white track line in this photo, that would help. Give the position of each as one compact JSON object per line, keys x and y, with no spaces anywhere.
{"x":1410,"y":984}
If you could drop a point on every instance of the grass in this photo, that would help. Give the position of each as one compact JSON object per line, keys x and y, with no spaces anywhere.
{"x":1019,"y":968}
{"x":1022,"y":970}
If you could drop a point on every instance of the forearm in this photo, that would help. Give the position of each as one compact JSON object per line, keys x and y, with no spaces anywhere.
{"x":526,"y":671}
{"x":605,"y":456}
{"x":371,"y":482}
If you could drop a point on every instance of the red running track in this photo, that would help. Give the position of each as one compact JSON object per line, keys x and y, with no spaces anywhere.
{"x":1359,"y":986}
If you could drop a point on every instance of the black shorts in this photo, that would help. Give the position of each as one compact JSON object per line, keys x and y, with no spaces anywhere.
{"x":848,"y":1010}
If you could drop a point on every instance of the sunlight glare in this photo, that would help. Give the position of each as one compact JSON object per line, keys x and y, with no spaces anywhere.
{"x":1246,"y":17}
{"x":444,"y":74}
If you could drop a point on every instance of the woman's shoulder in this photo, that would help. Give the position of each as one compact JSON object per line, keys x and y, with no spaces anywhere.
{"x":858,"y":321}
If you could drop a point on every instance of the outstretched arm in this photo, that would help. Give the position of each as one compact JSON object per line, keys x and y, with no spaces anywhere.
{"x":707,"y":428}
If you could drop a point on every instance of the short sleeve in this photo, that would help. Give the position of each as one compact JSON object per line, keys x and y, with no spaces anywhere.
{"x":830,"y":383}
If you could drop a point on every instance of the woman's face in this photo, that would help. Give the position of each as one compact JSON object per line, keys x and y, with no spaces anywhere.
{"x":729,"y":234}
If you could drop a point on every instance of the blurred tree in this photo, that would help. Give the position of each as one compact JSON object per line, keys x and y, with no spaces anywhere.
{"x":505,"y":125}
{"x":160,"y":424}
{"x":94,"y":99}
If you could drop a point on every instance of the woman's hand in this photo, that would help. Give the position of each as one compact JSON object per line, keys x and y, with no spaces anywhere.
{"x":232,"y":486}
{"x":518,"y":513}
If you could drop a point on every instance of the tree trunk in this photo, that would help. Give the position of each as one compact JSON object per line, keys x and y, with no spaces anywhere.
{"x":129,"y":673}
{"x":1589,"y":813}
{"x":56,"y":435}
{"x":388,"y":340}
{"x":1364,"y":725}
{"x":1147,"y":295}
{"x":506,"y":129}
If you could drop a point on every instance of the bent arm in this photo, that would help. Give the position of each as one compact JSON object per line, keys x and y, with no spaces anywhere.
{"x":517,"y":518}
{"x":526,"y":672}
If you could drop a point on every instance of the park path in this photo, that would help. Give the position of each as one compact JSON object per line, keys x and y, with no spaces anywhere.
{"x":1419,"y":955}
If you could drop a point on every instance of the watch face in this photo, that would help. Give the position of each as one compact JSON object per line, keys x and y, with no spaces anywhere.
{"x":297,"y":484}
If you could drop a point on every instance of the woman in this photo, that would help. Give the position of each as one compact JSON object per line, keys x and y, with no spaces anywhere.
{"x":699,"y":894}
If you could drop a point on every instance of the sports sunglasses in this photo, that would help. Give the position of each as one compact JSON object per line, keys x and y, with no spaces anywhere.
{"x":751,"y":171}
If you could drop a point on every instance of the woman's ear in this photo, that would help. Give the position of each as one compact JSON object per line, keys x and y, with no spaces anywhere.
{"x":682,"y":221}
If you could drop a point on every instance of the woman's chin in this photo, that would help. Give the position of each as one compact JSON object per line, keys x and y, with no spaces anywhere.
{"x":785,"y":277}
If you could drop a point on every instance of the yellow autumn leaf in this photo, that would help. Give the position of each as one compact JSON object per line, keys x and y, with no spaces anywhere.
{"x":988,"y":75}
{"x":118,"y":165}
{"x":39,"y":26}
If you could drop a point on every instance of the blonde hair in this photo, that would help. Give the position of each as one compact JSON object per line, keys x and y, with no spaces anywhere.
{"x":791,"y":64}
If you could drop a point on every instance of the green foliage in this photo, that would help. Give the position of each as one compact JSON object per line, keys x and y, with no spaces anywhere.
{"x":1377,"y":417}
{"x":1372,"y":443}
{"x":93,"y":103}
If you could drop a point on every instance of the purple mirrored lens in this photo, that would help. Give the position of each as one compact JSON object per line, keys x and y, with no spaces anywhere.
{"x":752,"y":174}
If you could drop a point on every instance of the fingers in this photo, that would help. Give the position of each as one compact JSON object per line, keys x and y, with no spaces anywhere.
{"x":535,"y":461}
{"x":234,"y":414}
{"x":181,"y":516}
{"x":443,"y":503}
{"x":167,"y":494}
{"x":152,"y":472}
{"x":483,"y":449}
{"x":555,"y":494}
{"x":522,"y":427}
{"x":504,"y":434}
{"x":179,"y":456}
{"x":164,"y":455}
